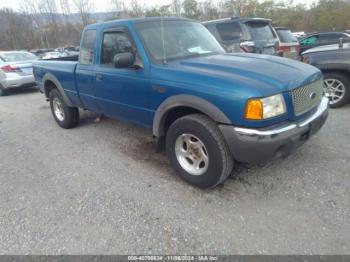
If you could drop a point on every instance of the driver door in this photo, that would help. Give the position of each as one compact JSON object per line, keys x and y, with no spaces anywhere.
{"x":121,"y":92}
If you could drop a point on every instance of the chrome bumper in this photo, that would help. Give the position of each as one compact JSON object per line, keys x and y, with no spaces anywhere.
{"x":260,"y":145}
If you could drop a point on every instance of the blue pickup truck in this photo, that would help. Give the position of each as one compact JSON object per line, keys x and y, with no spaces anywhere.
{"x":207,"y":109}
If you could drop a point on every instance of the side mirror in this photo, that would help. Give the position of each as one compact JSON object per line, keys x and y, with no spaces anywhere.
{"x":124,"y":60}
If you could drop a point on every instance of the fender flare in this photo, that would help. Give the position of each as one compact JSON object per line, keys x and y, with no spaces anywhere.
{"x":188,"y":101}
{"x":53,"y":79}
{"x":333,"y":66}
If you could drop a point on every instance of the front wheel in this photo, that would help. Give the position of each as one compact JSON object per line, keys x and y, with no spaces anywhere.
{"x":337,"y":89}
{"x":65,"y":116}
{"x":198,"y":151}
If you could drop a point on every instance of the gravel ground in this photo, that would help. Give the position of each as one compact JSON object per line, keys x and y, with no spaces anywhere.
{"x":101,"y":189}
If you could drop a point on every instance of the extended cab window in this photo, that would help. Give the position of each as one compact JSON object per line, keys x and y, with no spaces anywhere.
{"x":230,"y":31}
{"x":115,"y":43}
{"x":86,"y":55}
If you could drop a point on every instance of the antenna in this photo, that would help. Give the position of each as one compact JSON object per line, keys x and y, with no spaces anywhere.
{"x":163,"y":41}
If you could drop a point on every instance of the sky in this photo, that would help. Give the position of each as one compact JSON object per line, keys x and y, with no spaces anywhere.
{"x":102,"y":5}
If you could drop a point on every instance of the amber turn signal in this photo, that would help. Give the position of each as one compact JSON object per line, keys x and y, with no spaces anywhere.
{"x":254,"y":110}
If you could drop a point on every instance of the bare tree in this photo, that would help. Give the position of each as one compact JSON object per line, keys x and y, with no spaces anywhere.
{"x":10,"y":27}
{"x":48,"y":11}
{"x":240,"y":7}
{"x":176,"y":6}
{"x":191,"y":9}
{"x":31,"y":8}
{"x":137,"y":9}
{"x":65,"y":8}
{"x":84,"y":8}
{"x":16,"y":31}
{"x":118,"y":8}
{"x":69,"y":29}
{"x":209,"y":11}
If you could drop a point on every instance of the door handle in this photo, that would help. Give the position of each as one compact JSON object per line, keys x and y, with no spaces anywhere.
{"x":98,"y":77}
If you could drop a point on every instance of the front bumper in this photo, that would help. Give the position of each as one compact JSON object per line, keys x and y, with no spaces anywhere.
{"x":261,"y":145}
{"x":20,"y":81}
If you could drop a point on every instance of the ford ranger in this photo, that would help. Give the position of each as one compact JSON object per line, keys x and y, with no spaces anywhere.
{"x":209,"y":110}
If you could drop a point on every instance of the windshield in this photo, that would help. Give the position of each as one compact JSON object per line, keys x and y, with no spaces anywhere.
{"x":168,"y":40}
{"x":286,"y":36}
{"x":260,"y":30}
{"x":18,"y":56}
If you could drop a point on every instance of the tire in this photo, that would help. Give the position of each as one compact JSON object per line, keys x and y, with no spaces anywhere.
{"x":2,"y":92}
{"x":200,"y":132}
{"x":69,"y":116}
{"x":344,"y":85}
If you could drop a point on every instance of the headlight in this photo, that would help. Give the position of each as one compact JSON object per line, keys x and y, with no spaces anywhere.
{"x":264,"y":108}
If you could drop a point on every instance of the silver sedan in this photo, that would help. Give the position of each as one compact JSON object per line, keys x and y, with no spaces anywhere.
{"x":16,"y":70}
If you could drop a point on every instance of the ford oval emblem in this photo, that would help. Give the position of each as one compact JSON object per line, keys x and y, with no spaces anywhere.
{"x":312,"y":95}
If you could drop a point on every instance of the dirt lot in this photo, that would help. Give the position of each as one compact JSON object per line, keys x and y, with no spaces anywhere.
{"x":101,"y":189}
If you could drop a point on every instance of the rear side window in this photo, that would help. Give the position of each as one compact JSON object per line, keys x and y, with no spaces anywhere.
{"x":286,"y":36}
{"x":330,"y":36}
{"x":260,"y":30}
{"x":230,"y":31}
{"x":86,"y":55}
{"x":115,"y":43}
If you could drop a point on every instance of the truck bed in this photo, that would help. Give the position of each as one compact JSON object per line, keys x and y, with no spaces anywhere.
{"x":63,"y":71}
{"x":66,"y":58}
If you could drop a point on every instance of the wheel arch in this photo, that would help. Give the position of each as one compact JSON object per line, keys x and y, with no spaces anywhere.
{"x":187,"y":104}
{"x":50,"y":82}
{"x":339,"y":70}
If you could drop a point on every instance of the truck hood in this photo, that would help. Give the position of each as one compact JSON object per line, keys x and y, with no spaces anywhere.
{"x":262,"y":74}
{"x":228,"y":80}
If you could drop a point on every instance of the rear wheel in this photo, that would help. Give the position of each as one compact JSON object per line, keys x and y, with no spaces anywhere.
{"x":2,"y":91}
{"x":198,"y":152}
{"x":337,"y":89}
{"x":65,"y":116}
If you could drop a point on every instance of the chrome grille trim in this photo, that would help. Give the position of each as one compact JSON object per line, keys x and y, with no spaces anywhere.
{"x":307,"y":97}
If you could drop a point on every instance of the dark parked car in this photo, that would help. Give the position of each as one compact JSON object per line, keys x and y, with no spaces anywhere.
{"x":321,"y":39}
{"x":334,"y":62}
{"x":251,"y":35}
{"x":16,"y":70}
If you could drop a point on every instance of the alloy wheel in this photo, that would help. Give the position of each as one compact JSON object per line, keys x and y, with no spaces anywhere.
{"x":192,"y":154}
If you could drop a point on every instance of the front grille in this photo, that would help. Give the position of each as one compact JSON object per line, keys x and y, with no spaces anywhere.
{"x":306,"y":97}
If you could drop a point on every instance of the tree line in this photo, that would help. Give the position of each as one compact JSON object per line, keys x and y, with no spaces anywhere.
{"x":57,"y":23}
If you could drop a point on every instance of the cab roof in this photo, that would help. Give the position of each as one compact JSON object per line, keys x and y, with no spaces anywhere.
{"x":135,"y":20}
{"x":240,"y":19}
